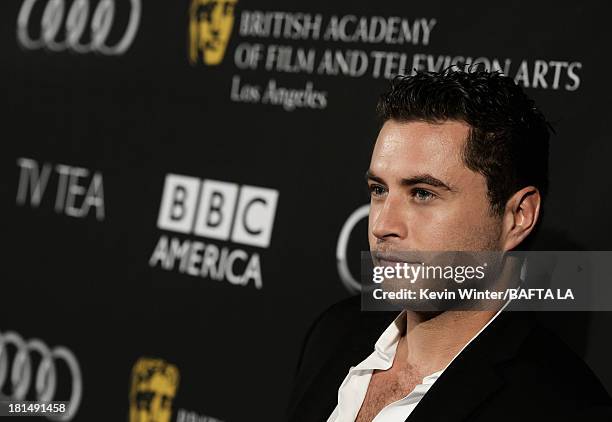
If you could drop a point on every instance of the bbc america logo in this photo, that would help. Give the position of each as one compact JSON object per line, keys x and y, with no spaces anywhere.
{"x":219,"y":211}
{"x":224,"y":211}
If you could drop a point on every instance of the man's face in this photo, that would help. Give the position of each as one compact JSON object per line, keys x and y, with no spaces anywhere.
{"x":423,"y":197}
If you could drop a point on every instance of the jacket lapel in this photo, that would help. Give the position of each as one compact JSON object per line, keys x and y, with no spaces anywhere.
{"x":473,"y":377}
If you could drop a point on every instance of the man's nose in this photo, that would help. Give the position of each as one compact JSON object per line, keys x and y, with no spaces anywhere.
{"x":390,"y":223}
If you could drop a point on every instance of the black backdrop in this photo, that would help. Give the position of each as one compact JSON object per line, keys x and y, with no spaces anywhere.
{"x":104,"y":130}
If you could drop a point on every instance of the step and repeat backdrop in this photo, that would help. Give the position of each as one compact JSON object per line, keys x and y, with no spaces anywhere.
{"x":183,"y":182}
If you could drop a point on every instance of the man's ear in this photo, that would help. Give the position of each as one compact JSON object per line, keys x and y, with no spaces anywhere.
{"x":520,"y":216}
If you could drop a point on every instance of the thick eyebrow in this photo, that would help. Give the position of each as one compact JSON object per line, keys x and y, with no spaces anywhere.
{"x":370,"y":176}
{"x":425,"y":179}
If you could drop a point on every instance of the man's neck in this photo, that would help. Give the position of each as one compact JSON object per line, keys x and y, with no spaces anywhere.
{"x":431,"y":342}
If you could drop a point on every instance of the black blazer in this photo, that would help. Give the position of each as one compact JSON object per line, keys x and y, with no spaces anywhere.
{"x":515,"y":370}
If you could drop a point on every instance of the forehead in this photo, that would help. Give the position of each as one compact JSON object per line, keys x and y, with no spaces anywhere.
{"x":418,"y":147}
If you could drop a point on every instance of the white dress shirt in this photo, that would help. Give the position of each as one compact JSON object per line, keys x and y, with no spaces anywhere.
{"x":354,"y":387}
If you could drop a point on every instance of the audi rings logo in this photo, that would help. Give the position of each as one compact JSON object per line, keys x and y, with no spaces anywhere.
{"x":347,"y":278}
{"x":53,"y":38}
{"x":45,"y":380}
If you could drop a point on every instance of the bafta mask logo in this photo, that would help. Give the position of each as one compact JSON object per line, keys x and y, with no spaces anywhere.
{"x":210,"y":27}
{"x":154,"y":385}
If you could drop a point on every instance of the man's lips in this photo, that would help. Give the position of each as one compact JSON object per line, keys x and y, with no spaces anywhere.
{"x":393,"y":258}
{"x":386,"y":263}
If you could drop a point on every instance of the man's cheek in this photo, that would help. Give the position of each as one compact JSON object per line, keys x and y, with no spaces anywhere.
{"x":430,"y":237}
{"x":436,"y":232}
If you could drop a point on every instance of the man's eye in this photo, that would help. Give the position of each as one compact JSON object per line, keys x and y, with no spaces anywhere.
{"x":376,"y":190}
{"x":422,"y":195}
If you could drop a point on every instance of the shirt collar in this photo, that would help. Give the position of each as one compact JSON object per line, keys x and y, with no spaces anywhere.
{"x":384,"y":349}
{"x":386,"y":345}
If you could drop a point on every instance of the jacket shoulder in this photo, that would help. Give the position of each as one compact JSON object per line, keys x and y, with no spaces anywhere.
{"x":549,"y":371}
{"x":327,"y":331}
{"x":340,"y":337}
